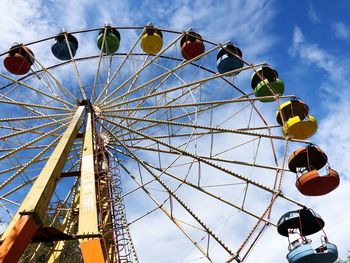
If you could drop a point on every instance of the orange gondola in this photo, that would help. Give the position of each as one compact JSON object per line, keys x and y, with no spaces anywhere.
{"x":306,"y":162}
{"x":19,"y":59}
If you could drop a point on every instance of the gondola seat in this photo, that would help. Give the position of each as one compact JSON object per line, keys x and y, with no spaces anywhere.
{"x":327,"y":253}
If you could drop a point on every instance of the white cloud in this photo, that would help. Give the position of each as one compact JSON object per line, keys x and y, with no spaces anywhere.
{"x":298,"y":37}
{"x":241,"y":21}
{"x":341,"y":30}
{"x":21,"y":21}
{"x":333,"y":132}
{"x":313,"y":15}
{"x":313,"y":54}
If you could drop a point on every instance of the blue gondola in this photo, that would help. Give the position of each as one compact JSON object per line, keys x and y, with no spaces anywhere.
{"x":304,"y":253}
{"x":229,"y":58}
{"x":60,"y":48}
{"x":305,"y":222}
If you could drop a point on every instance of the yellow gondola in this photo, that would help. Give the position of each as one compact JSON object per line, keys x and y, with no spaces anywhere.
{"x":297,"y":123}
{"x":151,"y":40}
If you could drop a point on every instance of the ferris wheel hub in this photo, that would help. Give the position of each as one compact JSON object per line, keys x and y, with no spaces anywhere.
{"x":97,"y":110}
{"x":84,"y":102}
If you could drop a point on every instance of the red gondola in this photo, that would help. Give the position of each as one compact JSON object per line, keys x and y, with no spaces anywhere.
{"x":191,"y":45}
{"x":19,"y":59}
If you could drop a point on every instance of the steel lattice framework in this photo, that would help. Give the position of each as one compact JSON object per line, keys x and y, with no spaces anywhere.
{"x":84,"y":140}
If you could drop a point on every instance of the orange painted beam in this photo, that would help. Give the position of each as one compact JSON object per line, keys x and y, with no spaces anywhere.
{"x":92,"y":251}
{"x":18,"y":239}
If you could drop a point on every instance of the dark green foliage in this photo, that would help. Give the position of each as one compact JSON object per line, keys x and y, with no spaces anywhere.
{"x":71,"y":252}
{"x":40,"y":255}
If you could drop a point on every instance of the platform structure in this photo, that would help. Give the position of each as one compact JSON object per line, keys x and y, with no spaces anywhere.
{"x":95,"y":206}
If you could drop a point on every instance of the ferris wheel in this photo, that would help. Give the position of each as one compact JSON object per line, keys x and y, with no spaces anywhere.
{"x":122,"y":144}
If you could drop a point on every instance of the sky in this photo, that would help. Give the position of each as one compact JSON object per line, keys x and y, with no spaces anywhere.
{"x":307,"y":42}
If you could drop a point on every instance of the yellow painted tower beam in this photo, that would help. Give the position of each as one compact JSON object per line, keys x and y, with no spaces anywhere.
{"x":90,"y":243}
{"x":27,"y":219}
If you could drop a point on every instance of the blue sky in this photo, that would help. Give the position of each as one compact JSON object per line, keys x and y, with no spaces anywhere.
{"x":307,"y":42}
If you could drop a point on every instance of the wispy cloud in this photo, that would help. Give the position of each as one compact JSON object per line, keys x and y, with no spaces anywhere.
{"x":341,"y":30}
{"x":216,"y":22}
{"x":333,"y":132}
{"x":313,"y":15}
{"x":312,"y":53}
{"x":337,"y":74}
{"x":21,"y":21}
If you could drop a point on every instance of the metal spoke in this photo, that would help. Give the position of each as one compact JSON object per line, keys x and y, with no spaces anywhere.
{"x":34,"y":128}
{"x":81,"y":88}
{"x":116,"y":71}
{"x":132,"y":76}
{"x":32,"y":142}
{"x":211,"y":158}
{"x":224,"y":246}
{"x":34,"y":178}
{"x":64,"y":89}
{"x":210,"y":163}
{"x":25,"y":166}
{"x":197,"y":126}
{"x":54,"y":96}
{"x":168,"y":214}
{"x":194,"y":83}
{"x":196,"y":104}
